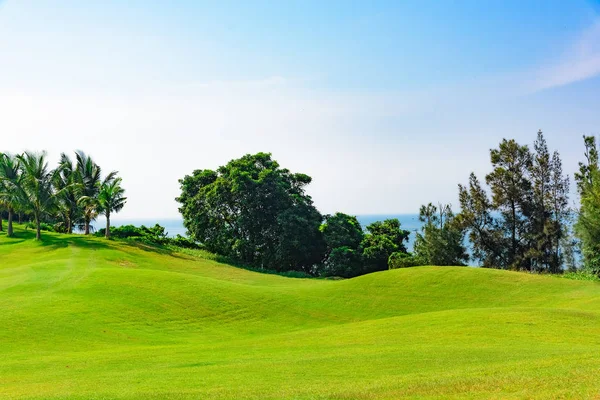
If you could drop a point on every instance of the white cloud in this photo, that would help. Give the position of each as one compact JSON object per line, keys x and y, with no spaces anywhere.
{"x":581,"y":61}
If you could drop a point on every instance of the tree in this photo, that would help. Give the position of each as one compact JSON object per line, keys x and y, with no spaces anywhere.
{"x":441,"y":239}
{"x":587,"y":227}
{"x":343,"y":236}
{"x":10,"y":187}
{"x":488,"y":242}
{"x":89,"y":181}
{"x":66,"y":183}
{"x":512,"y":197}
{"x":382,"y":240}
{"x":561,"y":215}
{"x":255,"y":212}
{"x":111,"y":199}
{"x":36,"y":186}
{"x":524,"y":224}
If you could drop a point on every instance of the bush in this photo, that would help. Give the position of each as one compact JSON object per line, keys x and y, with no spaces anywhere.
{"x":43,"y":226}
{"x":150,"y":235}
{"x":404,"y":260}
{"x":183,"y":242}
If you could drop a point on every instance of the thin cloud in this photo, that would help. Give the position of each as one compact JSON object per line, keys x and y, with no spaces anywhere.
{"x":580,"y":62}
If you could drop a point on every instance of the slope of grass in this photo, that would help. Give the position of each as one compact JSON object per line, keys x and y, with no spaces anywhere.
{"x":85,"y":318}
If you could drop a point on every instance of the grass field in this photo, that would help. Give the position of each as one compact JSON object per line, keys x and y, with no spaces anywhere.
{"x":85,"y":318}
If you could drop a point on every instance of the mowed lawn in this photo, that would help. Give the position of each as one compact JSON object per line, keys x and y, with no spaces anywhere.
{"x":86,"y":318}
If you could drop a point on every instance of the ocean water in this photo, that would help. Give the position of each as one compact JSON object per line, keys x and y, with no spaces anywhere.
{"x":174,"y":226}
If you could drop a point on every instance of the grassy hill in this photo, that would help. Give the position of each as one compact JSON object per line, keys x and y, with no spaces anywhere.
{"x":85,"y":318}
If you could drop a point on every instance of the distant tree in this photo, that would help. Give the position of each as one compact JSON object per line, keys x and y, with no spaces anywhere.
{"x":88,"y":183}
{"x":524,"y":224}
{"x":562,"y":244}
{"x":343,"y":236}
{"x":68,"y":184}
{"x":487,"y":240}
{"x":111,"y":199}
{"x":512,"y":198}
{"x":36,"y":184}
{"x":587,"y":227}
{"x":256,"y":212}
{"x":383,"y":239}
{"x":441,"y":240}
{"x":11,"y":195}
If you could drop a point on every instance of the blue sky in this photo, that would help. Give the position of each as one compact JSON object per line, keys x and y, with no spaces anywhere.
{"x":387,"y":105}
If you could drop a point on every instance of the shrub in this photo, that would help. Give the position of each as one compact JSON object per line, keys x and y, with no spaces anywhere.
{"x":404,"y":260}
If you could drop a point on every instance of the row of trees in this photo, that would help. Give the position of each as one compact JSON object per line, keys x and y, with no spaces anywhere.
{"x":258,"y":213}
{"x":71,"y":195}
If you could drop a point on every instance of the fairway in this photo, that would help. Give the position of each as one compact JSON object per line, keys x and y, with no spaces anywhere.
{"x":87,"y":318}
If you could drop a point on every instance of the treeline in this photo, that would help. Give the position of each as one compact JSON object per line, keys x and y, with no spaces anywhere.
{"x":69,"y":196}
{"x":255,"y":212}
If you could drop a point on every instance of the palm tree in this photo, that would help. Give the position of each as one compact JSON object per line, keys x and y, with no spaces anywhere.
{"x":66,"y":184}
{"x":88,"y":187}
{"x":111,"y":199}
{"x":10,"y":187}
{"x":36,"y":186}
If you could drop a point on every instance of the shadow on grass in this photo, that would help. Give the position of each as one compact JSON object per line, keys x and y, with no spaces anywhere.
{"x":53,"y":241}
{"x":153,"y":248}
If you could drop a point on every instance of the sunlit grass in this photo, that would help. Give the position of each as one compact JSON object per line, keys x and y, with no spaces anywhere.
{"x":88,"y":318}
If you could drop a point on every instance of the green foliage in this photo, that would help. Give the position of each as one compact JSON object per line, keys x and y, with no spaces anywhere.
{"x":44,"y":226}
{"x":404,"y":260}
{"x":155,"y":234}
{"x":344,"y":262}
{"x":183,"y":242}
{"x":383,"y":239}
{"x":441,"y":241}
{"x":254,"y":212}
{"x":583,"y":275}
{"x":523,"y":226}
{"x":11,"y":196}
{"x":343,"y":236}
{"x":587,"y":227}
{"x":111,"y":198}
{"x":342,"y":230}
{"x":37,"y":194}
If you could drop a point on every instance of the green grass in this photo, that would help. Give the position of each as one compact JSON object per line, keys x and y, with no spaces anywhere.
{"x":86,"y":318}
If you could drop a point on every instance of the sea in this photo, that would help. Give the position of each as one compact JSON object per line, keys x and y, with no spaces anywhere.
{"x":174,"y":226}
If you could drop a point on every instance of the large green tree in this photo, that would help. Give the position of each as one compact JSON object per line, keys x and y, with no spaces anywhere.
{"x":587,"y":226}
{"x":256,"y":212}
{"x":383,"y":239}
{"x":477,"y":216}
{"x":11,"y":195}
{"x":67,"y":184}
{"x":524,"y":225}
{"x":37,"y":186}
{"x":88,"y":183}
{"x":512,"y":197}
{"x":549,"y":208}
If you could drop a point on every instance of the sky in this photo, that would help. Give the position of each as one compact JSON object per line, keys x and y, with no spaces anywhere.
{"x":387,"y":105}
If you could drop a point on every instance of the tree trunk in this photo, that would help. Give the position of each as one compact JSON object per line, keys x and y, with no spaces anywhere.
{"x":87,"y":226}
{"x":38,"y":233}
{"x":20,"y":218}
{"x":107,"y":233}
{"x":1,"y":230}
{"x":10,"y":223}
